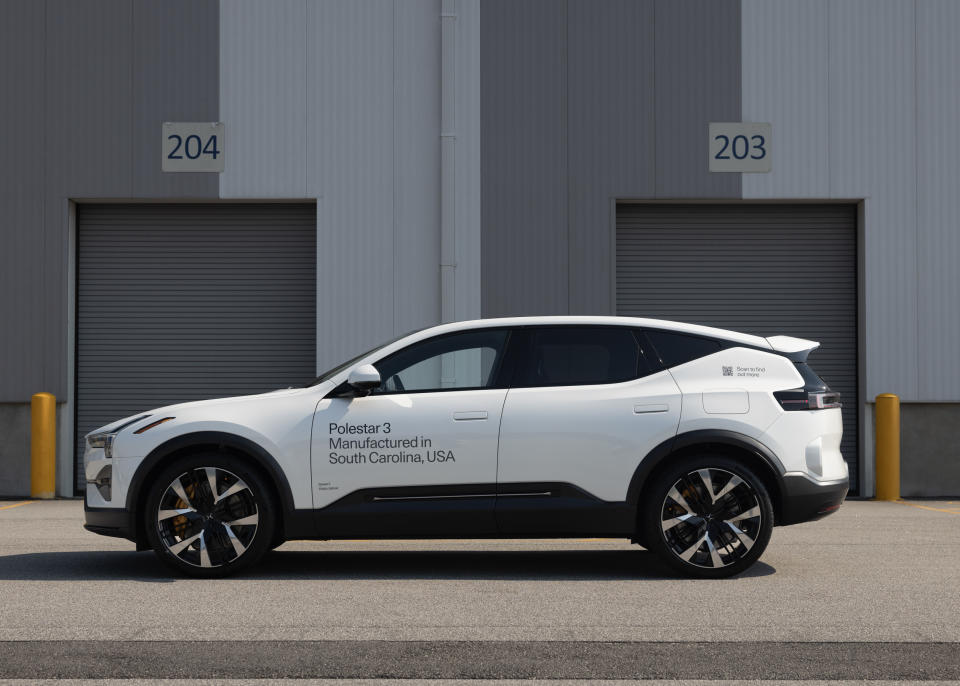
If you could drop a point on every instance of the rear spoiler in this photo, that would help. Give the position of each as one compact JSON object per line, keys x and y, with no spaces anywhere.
{"x":796,"y":349}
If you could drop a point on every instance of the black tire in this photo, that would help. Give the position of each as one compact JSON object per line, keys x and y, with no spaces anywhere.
{"x":209,"y":533}
{"x":707,"y":534}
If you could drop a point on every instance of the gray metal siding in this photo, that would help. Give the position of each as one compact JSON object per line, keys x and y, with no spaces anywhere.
{"x":611,"y":146}
{"x":523,"y":134}
{"x":24,"y":262}
{"x":579,"y":107}
{"x":85,"y":87}
{"x":938,"y":204}
{"x":766,"y":269}
{"x":835,"y":78}
{"x":697,"y":82}
{"x":186,"y":302}
{"x":340,"y":101}
{"x":176,"y":78}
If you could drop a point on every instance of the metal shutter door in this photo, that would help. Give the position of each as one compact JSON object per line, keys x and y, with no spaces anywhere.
{"x":187,"y":302}
{"x":763,"y":269}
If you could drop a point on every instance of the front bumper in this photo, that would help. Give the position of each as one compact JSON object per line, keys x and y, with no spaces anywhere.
{"x":804,"y":499}
{"x":109,"y":521}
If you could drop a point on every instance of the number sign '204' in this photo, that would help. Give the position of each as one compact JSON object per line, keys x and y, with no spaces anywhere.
{"x":192,"y":147}
{"x":740,"y":147}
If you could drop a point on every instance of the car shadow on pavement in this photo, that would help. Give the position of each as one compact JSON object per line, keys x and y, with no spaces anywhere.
{"x":84,"y":565}
{"x":499,"y":565}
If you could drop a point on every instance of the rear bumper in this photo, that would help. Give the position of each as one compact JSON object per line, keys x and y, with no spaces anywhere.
{"x":805,"y":499}
{"x":109,"y":521}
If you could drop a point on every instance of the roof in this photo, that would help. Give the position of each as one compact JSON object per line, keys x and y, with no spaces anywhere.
{"x":723,"y":334}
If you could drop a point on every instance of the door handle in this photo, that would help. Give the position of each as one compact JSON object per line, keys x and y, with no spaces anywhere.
{"x":469,"y":416}
{"x":647,"y":409}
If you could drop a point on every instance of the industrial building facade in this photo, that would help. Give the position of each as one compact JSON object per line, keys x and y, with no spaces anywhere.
{"x":771,"y":167}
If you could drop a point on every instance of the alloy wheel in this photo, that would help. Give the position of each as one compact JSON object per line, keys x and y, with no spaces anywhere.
{"x":207,"y":517}
{"x":711,"y":518}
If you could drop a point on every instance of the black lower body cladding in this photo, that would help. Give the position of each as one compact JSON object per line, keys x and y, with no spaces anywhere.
{"x":805,"y":500}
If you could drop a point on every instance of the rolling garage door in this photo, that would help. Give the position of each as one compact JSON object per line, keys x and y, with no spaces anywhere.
{"x":187,"y":302}
{"x":760,"y":269}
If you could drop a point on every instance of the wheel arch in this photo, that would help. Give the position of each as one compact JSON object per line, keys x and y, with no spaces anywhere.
{"x":215,"y":441}
{"x":750,"y":451}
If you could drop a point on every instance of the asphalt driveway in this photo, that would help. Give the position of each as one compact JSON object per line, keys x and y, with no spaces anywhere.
{"x":862,"y":594}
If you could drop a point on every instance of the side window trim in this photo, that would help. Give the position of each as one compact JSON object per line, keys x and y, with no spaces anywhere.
{"x":512,"y":358}
{"x":648,"y":353}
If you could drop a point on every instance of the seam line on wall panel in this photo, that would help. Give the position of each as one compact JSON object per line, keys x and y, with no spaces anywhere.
{"x":306,"y":96}
{"x":654,"y":175}
{"x":46,"y":180}
{"x":828,"y":25}
{"x":132,"y":64}
{"x":476,"y":227}
{"x":739,"y":26}
{"x":916,"y":202}
{"x":566,"y":137}
{"x":394,"y":166}
{"x":220,"y":93}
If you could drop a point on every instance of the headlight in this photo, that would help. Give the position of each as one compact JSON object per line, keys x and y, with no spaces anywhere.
{"x":104,"y":441}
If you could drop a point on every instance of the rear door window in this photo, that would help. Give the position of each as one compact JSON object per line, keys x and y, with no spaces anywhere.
{"x":580,"y":355}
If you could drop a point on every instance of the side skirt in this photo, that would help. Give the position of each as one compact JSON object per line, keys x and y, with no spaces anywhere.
{"x":560,"y":509}
{"x":521,"y":510}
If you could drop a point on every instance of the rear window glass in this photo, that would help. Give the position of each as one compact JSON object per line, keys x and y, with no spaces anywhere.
{"x":574,"y":356}
{"x":677,"y":348}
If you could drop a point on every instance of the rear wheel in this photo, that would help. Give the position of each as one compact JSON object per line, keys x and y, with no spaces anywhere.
{"x":209,"y":515}
{"x":707,"y":516}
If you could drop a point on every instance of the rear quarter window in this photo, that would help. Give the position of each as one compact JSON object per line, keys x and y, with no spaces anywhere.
{"x":677,"y":348}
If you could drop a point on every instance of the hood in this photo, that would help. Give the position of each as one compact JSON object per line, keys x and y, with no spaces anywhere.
{"x":213,"y":402}
{"x":172,"y":410}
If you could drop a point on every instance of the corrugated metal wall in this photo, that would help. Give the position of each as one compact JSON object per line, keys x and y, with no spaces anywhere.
{"x":765,"y":269}
{"x":85,"y":89}
{"x":332,"y":99}
{"x":263,"y":98}
{"x":863,"y":95}
{"x":581,"y":106}
{"x":938,"y":202}
{"x":523,"y":82}
{"x":29,"y":361}
{"x":189,"y":302}
{"x":340,"y":101}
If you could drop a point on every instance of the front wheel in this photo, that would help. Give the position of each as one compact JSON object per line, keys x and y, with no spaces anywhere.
{"x":707,"y":516}
{"x":209,"y":515}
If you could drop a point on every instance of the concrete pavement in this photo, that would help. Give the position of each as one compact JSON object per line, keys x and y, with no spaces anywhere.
{"x":874,"y":572}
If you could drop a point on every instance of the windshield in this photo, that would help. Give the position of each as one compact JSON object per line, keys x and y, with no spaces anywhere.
{"x":330,"y":373}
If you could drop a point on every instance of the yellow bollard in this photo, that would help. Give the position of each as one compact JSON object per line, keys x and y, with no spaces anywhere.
{"x":887,"y":421}
{"x":43,"y":445}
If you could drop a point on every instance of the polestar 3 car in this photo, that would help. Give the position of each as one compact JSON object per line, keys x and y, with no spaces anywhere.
{"x":691,"y":441}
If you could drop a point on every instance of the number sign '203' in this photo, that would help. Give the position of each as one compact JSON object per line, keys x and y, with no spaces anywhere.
{"x":192,"y":147}
{"x":740,"y":147}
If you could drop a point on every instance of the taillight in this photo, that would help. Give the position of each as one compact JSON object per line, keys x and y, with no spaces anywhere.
{"x":802,"y":399}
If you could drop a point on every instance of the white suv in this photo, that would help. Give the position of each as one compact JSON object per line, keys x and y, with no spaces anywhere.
{"x":691,"y":441}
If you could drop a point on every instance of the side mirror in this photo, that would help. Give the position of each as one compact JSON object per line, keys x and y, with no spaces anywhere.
{"x":364,"y":379}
